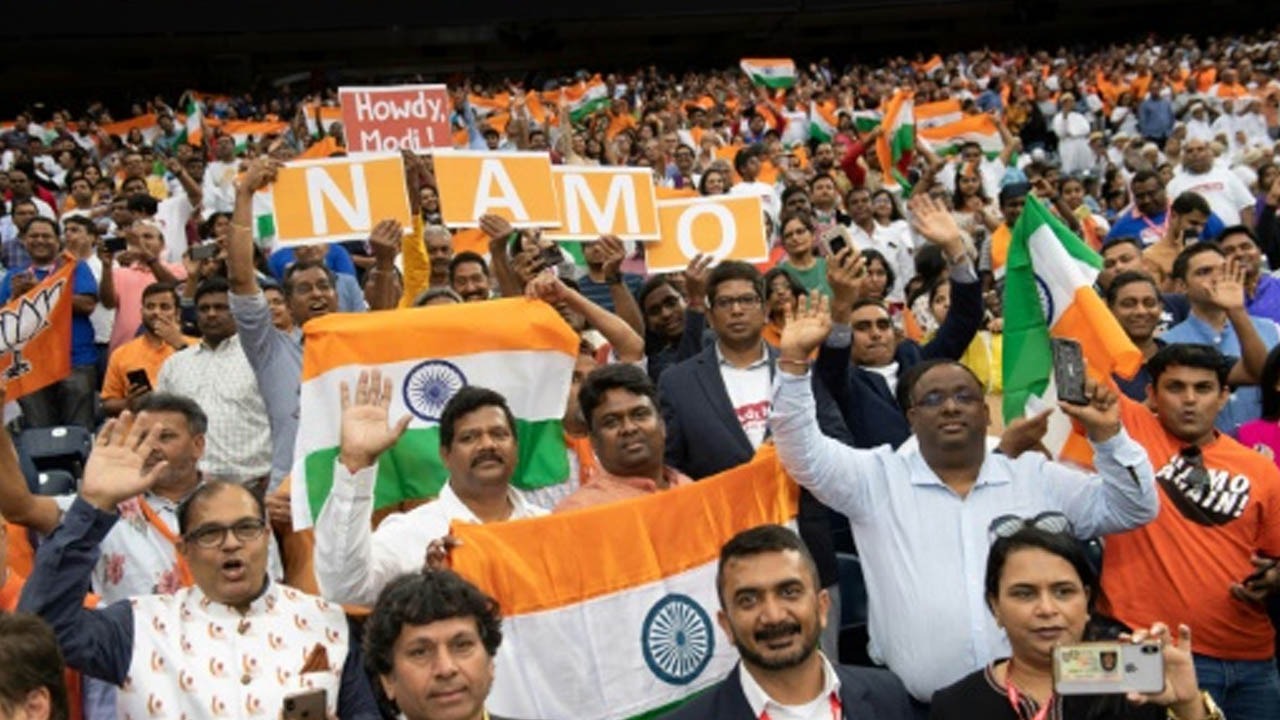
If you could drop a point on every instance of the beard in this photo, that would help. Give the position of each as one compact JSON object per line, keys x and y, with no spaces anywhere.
{"x":751,"y":656}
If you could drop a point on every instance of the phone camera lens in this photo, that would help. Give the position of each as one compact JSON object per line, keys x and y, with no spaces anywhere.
{"x":1150,"y":649}
{"x":289,"y":705}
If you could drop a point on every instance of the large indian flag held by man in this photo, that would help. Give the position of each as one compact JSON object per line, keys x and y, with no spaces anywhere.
{"x":520,"y":348}
{"x":1049,"y":262}
{"x":604,"y":616}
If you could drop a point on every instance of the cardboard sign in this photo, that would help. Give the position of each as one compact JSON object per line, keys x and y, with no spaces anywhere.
{"x":516,"y":185}
{"x":396,"y":117}
{"x":335,"y":199}
{"x":597,"y":201}
{"x":727,"y":227}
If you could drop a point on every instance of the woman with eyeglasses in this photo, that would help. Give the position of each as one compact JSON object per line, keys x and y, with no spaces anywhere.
{"x":1041,"y":590}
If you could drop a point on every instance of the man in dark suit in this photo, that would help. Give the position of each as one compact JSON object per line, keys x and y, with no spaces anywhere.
{"x":716,"y":405}
{"x":773,"y":610}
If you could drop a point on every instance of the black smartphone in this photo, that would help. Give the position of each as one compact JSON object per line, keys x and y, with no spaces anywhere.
{"x":310,"y":705}
{"x":551,"y":256}
{"x":205,"y":251}
{"x":114,"y":244}
{"x":1068,"y":371}
{"x":138,"y":377}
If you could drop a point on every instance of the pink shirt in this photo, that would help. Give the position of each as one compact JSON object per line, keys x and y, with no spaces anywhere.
{"x":605,"y":488}
{"x":130,"y":282}
{"x":1263,"y":436}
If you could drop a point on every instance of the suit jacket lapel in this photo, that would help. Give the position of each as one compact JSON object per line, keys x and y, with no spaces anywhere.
{"x":718,"y":396}
{"x":853,"y":697}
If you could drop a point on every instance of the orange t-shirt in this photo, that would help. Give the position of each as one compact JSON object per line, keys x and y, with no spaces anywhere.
{"x":140,"y":353}
{"x":1180,"y":567}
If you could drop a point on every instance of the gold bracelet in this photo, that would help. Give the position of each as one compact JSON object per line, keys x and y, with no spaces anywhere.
{"x":795,"y":363}
{"x":239,"y":226}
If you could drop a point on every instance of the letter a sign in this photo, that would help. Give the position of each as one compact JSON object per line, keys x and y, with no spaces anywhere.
{"x":515,"y":185}
{"x":597,"y":201}
{"x":321,"y":201}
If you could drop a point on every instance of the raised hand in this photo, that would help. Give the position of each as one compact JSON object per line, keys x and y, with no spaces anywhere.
{"x":807,"y":326}
{"x":366,"y":433}
{"x":1101,"y":417}
{"x":440,"y":553}
{"x":114,"y":472}
{"x":262,"y":172}
{"x":1181,"y":690}
{"x":385,"y":240}
{"x":695,"y":280}
{"x":495,"y":226}
{"x":614,"y":253}
{"x":1024,"y":433}
{"x":935,"y":224}
{"x":1227,"y":292}
{"x":846,"y":272}
{"x":546,"y":287}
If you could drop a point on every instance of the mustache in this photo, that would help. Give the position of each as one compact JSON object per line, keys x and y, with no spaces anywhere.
{"x":774,"y":632}
{"x":486,"y":456}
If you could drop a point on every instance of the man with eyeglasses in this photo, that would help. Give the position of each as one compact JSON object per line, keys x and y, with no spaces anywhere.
{"x":920,"y":515}
{"x":1208,"y":560}
{"x":233,"y":644}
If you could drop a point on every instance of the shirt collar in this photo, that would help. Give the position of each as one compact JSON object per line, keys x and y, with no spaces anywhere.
{"x":266,"y":600}
{"x":762,"y":361}
{"x":673,"y":477}
{"x":760,"y":701}
{"x":455,"y":509}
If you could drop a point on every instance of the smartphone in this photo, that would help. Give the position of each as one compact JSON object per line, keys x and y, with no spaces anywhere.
{"x":114,"y":244}
{"x":204,"y":251}
{"x":309,"y":705}
{"x":835,"y":239}
{"x":138,"y":377}
{"x":1106,"y":668}
{"x":551,"y":256}
{"x":1068,"y":371}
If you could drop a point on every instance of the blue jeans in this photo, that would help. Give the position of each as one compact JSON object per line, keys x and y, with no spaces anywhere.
{"x":1244,"y":689}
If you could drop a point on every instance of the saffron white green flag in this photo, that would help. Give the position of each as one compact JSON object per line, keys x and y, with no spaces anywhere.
{"x":896,"y":147}
{"x":770,"y":72}
{"x":193,"y":127}
{"x":605,"y":616}
{"x":586,"y":98}
{"x":823,"y":121}
{"x":1047,"y":261}
{"x":937,"y":113}
{"x":520,"y":348}
{"x":947,"y":139}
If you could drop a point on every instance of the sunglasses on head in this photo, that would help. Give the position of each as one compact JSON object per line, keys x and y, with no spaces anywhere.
{"x":1049,"y":521}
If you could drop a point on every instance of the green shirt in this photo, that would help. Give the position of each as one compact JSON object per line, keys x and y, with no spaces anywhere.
{"x":815,"y":278}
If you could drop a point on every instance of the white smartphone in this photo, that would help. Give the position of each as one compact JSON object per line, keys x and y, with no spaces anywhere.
{"x":1105,"y":668}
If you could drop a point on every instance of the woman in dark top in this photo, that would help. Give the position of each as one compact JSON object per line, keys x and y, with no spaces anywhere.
{"x":1041,"y":589}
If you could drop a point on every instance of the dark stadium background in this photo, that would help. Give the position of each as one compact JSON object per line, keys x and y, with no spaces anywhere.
{"x":60,"y":53}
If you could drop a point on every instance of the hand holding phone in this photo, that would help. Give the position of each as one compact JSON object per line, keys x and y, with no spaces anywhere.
{"x":1069,"y":371}
{"x":309,"y":705}
{"x":138,"y":378}
{"x":1106,"y":668}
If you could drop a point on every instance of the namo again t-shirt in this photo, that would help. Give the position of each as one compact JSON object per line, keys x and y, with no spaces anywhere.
{"x":1180,"y":567}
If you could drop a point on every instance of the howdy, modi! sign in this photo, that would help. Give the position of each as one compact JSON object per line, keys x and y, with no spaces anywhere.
{"x":395,"y":117}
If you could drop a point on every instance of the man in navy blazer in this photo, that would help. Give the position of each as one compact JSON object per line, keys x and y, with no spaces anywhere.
{"x":773,"y":610}
{"x":716,"y":404}
{"x":866,"y":392}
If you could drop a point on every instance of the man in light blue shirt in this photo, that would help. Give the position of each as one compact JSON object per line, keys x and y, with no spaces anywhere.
{"x":1219,"y":319}
{"x":920,"y":516}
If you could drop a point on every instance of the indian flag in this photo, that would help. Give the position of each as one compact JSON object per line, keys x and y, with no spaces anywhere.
{"x":930,"y":66}
{"x":864,"y":121}
{"x":1049,"y":262}
{"x":586,"y":98}
{"x":770,"y":72}
{"x":982,"y":129}
{"x":148,"y":125}
{"x":520,"y":348}
{"x":321,"y":117}
{"x":823,"y":121}
{"x":246,"y":131}
{"x":896,"y":146}
{"x":193,"y":127}
{"x":627,"y":602}
{"x":938,"y":113}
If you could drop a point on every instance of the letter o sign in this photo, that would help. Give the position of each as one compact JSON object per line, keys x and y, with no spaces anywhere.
{"x":728,"y":230}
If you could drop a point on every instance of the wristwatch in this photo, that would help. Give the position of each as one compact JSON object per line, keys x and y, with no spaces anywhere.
{"x":1211,"y":709}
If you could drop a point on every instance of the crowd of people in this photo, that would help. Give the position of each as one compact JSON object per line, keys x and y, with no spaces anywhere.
{"x":868,"y":350}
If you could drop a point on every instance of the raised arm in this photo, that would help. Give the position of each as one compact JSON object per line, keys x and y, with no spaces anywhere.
{"x":500,"y":233}
{"x":195,"y":193}
{"x":383,"y":288}
{"x":938,"y":226}
{"x":350,"y":567}
{"x":240,"y":272}
{"x":627,"y":344}
{"x":825,"y":467}
{"x":624,"y":303}
{"x":1122,"y":494}
{"x":1228,"y":294}
{"x":17,"y":503}
{"x":96,"y":642}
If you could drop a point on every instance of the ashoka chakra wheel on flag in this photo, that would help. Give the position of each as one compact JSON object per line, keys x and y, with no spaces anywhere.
{"x":677,"y":639}
{"x":429,"y":386}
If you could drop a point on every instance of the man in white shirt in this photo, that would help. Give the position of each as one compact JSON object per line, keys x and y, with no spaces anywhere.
{"x":1228,"y":196}
{"x":216,"y":373}
{"x":219,"y":182}
{"x":477,"y":445}
{"x":928,"y":508}
{"x":747,"y":164}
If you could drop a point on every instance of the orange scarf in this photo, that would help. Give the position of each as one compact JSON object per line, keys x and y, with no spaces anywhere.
{"x":184,"y":570}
